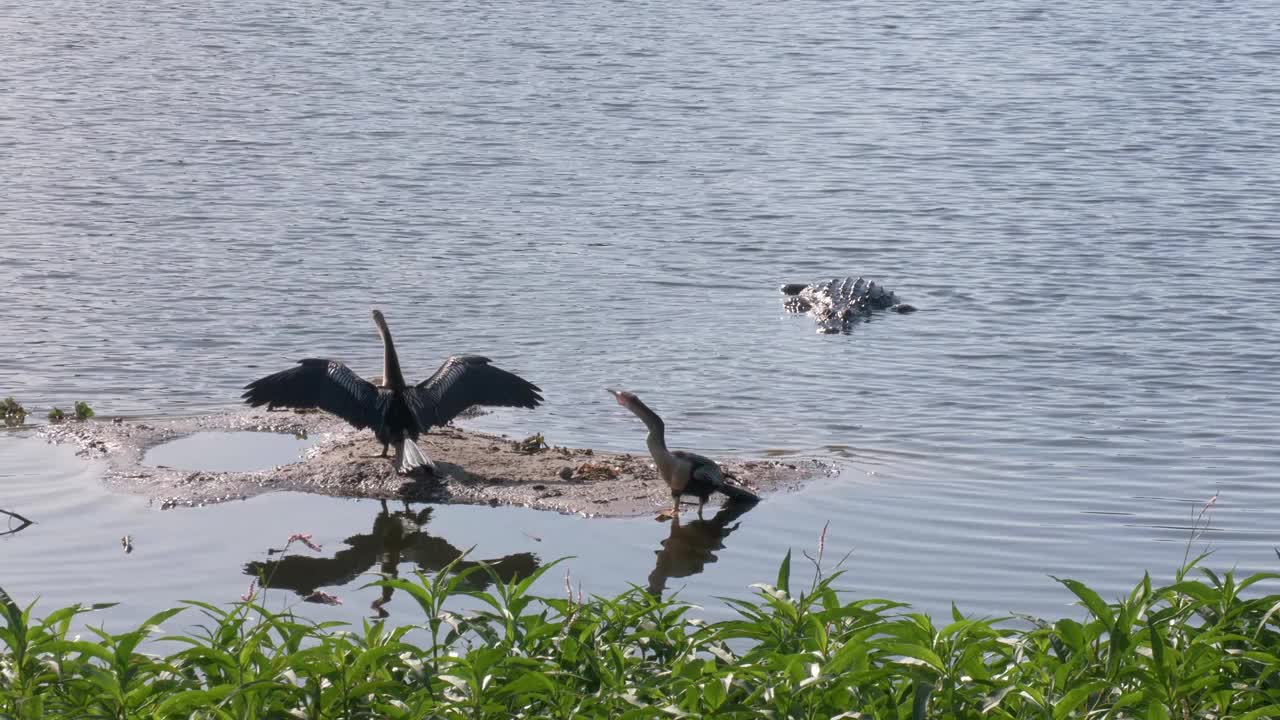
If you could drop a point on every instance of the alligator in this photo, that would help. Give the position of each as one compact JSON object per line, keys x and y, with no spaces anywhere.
{"x":839,"y":303}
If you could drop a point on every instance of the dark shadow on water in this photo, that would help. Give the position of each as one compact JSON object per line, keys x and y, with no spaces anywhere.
{"x":396,"y":537}
{"x":692,"y":544}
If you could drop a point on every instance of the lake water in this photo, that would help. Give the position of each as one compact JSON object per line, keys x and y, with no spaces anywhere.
{"x":1081,"y":198}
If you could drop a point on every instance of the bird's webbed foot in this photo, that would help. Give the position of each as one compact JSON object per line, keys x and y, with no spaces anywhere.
{"x":672,"y":514}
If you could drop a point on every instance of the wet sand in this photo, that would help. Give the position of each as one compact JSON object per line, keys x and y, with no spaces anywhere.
{"x":471,"y":467}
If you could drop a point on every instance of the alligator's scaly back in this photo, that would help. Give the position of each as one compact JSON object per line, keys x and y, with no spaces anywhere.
{"x":839,"y":303}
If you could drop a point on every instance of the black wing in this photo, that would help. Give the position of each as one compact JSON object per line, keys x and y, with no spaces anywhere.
{"x":466,"y":380}
{"x":703,"y":471}
{"x":705,"y":475}
{"x":325,"y":384}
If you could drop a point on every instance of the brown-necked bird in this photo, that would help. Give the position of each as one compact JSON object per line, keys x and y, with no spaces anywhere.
{"x":685,"y":473}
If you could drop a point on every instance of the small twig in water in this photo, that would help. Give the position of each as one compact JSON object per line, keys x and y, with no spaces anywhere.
{"x":15,"y":516}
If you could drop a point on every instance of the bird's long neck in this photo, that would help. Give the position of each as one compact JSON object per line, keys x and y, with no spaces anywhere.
{"x":392,"y":377}
{"x":657,"y":438}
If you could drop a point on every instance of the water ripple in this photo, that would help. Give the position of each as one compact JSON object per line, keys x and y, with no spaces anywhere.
{"x":1080,"y":198}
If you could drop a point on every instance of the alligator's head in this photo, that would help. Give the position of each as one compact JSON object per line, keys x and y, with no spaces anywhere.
{"x":831,"y":323}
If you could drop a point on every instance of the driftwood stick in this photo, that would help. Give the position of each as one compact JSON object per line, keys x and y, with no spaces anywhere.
{"x":15,"y":516}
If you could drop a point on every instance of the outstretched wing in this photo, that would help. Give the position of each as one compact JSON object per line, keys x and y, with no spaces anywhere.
{"x":325,"y":384}
{"x":466,"y":380}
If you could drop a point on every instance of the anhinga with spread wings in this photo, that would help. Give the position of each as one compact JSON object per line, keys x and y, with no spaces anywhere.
{"x":685,"y":473}
{"x":398,"y":413}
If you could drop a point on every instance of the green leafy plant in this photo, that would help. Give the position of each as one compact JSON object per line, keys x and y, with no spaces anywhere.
{"x":83,"y":411}
{"x":531,"y":445}
{"x":1197,"y":648}
{"x":13,"y":412}
{"x":57,"y":415}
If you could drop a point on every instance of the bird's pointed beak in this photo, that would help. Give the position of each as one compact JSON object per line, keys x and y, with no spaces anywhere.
{"x":617,"y":394}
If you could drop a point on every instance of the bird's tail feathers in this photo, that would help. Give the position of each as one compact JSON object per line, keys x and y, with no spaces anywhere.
{"x":411,"y":459}
{"x":736,"y":491}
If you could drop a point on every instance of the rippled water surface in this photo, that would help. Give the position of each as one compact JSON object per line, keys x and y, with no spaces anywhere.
{"x":1080,"y":197}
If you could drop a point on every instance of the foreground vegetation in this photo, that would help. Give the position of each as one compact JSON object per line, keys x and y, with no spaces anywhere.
{"x":1194,"y":649}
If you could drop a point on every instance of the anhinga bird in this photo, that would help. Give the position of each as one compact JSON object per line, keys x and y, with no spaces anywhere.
{"x":397,"y":413}
{"x":685,"y":473}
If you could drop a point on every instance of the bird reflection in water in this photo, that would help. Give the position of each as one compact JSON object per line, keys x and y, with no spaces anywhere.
{"x":396,"y":537}
{"x":693,"y":544}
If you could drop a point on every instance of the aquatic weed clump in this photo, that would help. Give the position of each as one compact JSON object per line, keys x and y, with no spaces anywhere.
{"x":1192,"y":649}
{"x":531,"y":445}
{"x":12,"y":411}
{"x":83,"y":411}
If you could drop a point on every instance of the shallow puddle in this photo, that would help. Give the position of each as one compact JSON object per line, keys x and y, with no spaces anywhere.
{"x":214,"y":451}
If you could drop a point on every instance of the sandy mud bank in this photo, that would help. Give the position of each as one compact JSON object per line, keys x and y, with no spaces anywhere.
{"x":472,"y":467}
